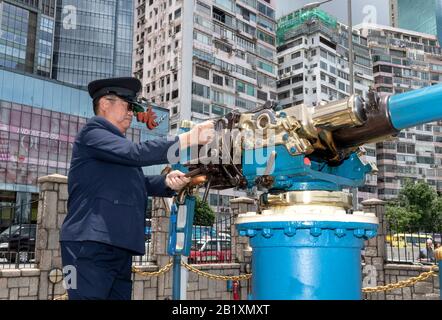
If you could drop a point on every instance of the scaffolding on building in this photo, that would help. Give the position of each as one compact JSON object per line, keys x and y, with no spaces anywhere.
{"x":298,"y":18}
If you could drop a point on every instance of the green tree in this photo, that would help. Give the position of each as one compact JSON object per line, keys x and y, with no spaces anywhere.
{"x":418,"y":208}
{"x":204,"y":214}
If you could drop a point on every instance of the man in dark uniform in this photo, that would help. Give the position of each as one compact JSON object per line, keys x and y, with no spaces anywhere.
{"x":108,"y":192}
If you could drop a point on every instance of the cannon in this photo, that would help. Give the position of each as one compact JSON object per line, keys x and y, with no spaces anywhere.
{"x":305,"y":235}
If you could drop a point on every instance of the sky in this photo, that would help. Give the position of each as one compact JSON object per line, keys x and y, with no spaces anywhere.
{"x":372,"y":11}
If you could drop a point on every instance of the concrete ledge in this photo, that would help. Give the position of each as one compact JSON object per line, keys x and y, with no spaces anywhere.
{"x":30,"y":272}
{"x":410,"y":267}
{"x":146,"y":267}
{"x":57,"y":178}
{"x":242,"y":200}
{"x":8,"y":273}
{"x":372,"y":202}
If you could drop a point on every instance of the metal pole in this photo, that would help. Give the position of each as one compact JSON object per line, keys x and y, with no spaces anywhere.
{"x":350,"y":47}
{"x":351,"y":79}
{"x":438,"y":257}
{"x":176,"y":288}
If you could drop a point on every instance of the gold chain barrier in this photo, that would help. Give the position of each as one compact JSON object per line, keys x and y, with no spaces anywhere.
{"x":402,"y":284}
{"x":164,"y":269}
{"x":215,"y":276}
{"x":392,"y":286}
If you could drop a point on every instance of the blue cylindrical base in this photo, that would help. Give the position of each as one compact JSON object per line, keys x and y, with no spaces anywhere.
{"x":307,"y":260}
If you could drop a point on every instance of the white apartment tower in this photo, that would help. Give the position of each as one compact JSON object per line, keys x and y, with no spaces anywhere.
{"x":201,"y":59}
{"x":405,"y":60}
{"x":314,"y":68}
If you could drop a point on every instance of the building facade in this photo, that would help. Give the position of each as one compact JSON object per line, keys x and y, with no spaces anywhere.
{"x":404,"y":60}
{"x":93,"y":40}
{"x":27,"y":35}
{"x":423,"y":16}
{"x":201,"y":59}
{"x":39,"y":119}
{"x":73,"y":41}
{"x":224,"y":60}
{"x":313,"y":67}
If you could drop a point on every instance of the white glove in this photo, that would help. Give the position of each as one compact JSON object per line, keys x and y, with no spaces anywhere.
{"x":176,"y":180}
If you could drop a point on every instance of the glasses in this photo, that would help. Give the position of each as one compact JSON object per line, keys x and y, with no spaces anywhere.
{"x":130,"y":107}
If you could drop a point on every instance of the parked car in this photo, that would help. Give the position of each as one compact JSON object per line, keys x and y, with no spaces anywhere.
{"x":402,"y":240}
{"x":18,"y":241}
{"x":210,"y":250}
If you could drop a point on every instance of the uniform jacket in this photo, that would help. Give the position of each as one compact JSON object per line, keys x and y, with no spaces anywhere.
{"x":107,"y":188}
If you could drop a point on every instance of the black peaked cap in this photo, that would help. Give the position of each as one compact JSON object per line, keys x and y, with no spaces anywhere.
{"x":126,"y":87}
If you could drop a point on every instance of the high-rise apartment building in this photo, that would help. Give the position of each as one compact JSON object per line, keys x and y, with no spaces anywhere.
{"x":404,"y":60}
{"x":423,"y":16}
{"x":27,"y":35}
{"x":93,"y":40}
{"x":202,"y":59}
{"x":313,"y":67}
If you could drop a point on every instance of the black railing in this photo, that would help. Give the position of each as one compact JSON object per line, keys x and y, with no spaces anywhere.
{"x":212,"y":244}
{"x":411,"y":246}
{"x":17,"y":236}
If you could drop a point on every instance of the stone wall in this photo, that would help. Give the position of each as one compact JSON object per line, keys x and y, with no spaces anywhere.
{"x":425,"y":290}
{"x":52,"y":209}
{"x":34,"y":284}
{"x":374,"y":251}
{"x":19,"y":284}
{"x":377,"y":271}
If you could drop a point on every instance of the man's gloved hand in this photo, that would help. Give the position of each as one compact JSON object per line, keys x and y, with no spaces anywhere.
{"x":201,"y":134}
{"x":176,"y":180}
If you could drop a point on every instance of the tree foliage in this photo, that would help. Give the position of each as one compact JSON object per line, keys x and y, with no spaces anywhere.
{"x":204,"y":214}
{"x":418,"y":207}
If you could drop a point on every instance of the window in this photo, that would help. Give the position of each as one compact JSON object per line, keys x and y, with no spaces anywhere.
{"x":262,"y":95}
{"x":217,"y":79}
{"x":298,"y":66}
{"x":265,"y":66}
{"x":266,"y":37}
{"x":297,"y":91}
{"x":200,"y":90}
{"x":201,"y":37}
{"x":284,"y":95}
{"x":267,"y":11}
{"x":296,"y":55}
{"x":200,"y":107}
{"x":297,"y":78}
{"x":240,"y":86}
{"x":202,"y":72}
{"x":177,"y":13}
{"x":229,"y":82}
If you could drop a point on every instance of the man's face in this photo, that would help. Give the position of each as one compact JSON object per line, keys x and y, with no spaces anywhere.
{"x":118,"y":112}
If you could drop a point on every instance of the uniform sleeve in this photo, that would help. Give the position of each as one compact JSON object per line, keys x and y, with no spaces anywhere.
{"x":106,"y":146}
{"x":156,"y":186}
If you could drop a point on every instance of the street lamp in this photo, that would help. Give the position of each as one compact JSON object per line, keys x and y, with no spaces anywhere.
{"x":314,"y":5}
{"x":317,"y":4}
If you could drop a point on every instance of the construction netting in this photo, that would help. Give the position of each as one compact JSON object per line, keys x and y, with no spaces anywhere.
{"x":298,"y":18}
